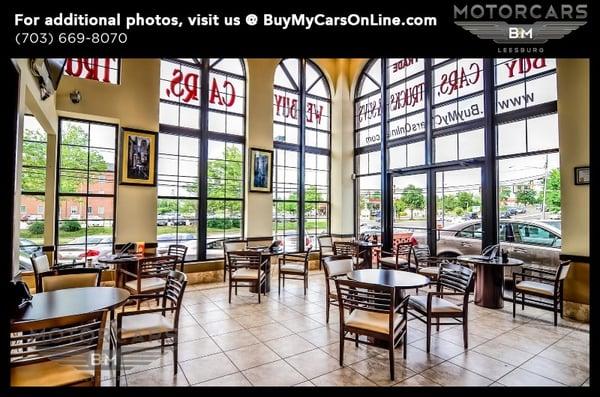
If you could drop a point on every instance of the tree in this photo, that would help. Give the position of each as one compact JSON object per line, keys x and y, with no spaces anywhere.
{"x":74,"y":156}
{"x":399,"y":206}
{"x":413,"y":197}
{"x":311,"y":198}
{"x":465,"y":200}
{"x":553,"y":190}
{"x":34,"y":155}
{"x":526,"y":196}
{"x":504,"y":193}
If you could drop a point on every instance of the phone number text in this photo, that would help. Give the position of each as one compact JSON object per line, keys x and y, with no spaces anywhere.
{"x":47,"y":38}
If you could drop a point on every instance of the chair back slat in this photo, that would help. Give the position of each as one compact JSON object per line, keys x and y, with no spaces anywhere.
{"x":173,"y":292}
{"x":180,"y":251}
{"x":363,"y":296}
{"x":44,"y":340}
{"x":325,"y":242}
{"x":455,"y":276}
{"x":235,"y":245}
{"x":247,"y":259}
{"x":345,"y":248}
{"x":158,"y":266}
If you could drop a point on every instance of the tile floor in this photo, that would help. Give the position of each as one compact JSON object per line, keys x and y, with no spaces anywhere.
{"x":284,"y":341}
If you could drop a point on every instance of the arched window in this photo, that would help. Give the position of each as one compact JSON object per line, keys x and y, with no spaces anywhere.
{"x":201,"y":154}
{"x":461,"y":140}
{"x":302,"y":153}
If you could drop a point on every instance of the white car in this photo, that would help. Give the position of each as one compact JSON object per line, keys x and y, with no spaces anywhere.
{"x":77,"y":249}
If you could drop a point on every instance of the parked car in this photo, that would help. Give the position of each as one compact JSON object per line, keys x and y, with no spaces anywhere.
{"x":534,"y":242}
{"x":164,"y":240}
{"x":27,"y":249}
{"x":77,"y":250}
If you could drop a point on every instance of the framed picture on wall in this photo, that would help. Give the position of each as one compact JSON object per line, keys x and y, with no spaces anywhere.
{"x":138,"y":157}
{"x":582,"y":175}
{"x":261,"y":170}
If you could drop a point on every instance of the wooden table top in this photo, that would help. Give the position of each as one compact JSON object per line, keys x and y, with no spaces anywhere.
{"x":70,"y":302}
{"x":390,"y":278}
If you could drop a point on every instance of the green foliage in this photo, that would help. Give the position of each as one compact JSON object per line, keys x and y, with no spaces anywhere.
{"x":34,"y":155}
{"x":224,"y":179}
{"x":527,"y":197}
{"x":76,"y":157}
{"x":310,"y":194}
{"x":504,"y":193}
{"x":459,"y":211}
{"x":466,"y":200}
{"x":223,"y":223}
{"x":36,"y":227}
{"x":399,"y":207}
{"x":166,"y":206}
{"x":414,"y":198}
{"x":553,"y":190}
{"x":70,"y":226}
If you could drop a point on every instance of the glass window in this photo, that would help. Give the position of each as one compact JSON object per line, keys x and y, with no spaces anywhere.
{"x":310,"y":133}
{"x":180,"y":163}
{"x":86,"y":182}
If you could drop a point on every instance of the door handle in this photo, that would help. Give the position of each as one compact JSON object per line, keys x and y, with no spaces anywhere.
{"x":465,"y":244}
{"x":520,"y":250}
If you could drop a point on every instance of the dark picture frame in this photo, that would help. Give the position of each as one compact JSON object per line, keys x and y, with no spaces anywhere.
{"x":261,"y":170}
{"x":582,"y":175}
{"x":138,"y":157}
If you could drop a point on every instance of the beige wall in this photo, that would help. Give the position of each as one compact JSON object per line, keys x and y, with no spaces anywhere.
{"x":573,"y":80}
{"x":133,"y":103}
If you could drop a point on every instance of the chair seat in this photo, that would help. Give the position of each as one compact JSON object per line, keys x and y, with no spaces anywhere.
{"x":536,"y":287}
{"x":430,"y":271}
{"x":52,"y":373}
{"x":245,"y":274}
{"x":438,"y":305}
{"x":147,"y":284}
{"x":372,"y":321}
{"x":292,"y":268}
{"x":143,"y":325}
{"x":391,"y":260}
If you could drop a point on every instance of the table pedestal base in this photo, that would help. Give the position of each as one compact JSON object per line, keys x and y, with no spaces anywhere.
{"x":489,"y":286}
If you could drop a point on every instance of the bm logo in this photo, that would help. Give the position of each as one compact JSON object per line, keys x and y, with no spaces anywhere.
{"x":520,"y":33}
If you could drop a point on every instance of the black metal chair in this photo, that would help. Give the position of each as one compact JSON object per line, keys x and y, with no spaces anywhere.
{"x":335,"y":266}
{"x":228,"y":246}
{"x":397,"y":260}
{"x":325,"y":248}
{"x":549,"y":285}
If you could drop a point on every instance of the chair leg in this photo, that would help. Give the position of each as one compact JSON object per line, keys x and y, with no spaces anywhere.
{"x":522,"y":300}
{"x":514,"y":302}
{"x":283,"y":275}
{"x":175,"y":346}
{"x":162,"y":344}
{"x":342,"y":349}
{"x":465,"y":333}
{"x":356,"y":340}
{"x":224,"y":273}
{"x":305,"y":283}
{"x":229,"y":291}
{"x":118,"y":369}
{"x":428,"y":333}
{"x":258,"y":285}
{"x":405,"y":343}
{"x":235,"y":289}
{"x":139,"y":301}
{"x":555,"y":312}
{"x":392,"y":366}
{"x":437,"y":325}
{"x":327,"y":311}
{"x":279,"y":283}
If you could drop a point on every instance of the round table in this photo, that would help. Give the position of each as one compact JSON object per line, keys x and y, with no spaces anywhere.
{"x":489,"y":279}
{"x":70,"y":302}
{"x":398,"y":279}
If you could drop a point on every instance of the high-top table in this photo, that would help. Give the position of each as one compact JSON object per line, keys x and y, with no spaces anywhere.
{"x":489,"y":279}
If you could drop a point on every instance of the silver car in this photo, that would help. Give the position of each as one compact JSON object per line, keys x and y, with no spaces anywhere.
{"x":535,"y":242}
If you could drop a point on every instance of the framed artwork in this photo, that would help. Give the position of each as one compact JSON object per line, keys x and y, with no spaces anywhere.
{"x":138,"y":157}
{"x":582,"y":175}
{"x":261,"y":170}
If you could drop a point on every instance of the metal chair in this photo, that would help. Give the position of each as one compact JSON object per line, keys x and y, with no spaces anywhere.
{"x":352,"y":249}
{"x":335,"y":266}
{"x":325,"y":248}
{"x":398,"y":260}
{"x":248,"y":268}
{"x":228,"y":246}
{"x":178,"y":250}
{"x":70,"y":278}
